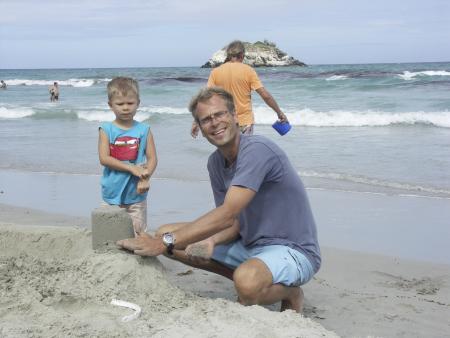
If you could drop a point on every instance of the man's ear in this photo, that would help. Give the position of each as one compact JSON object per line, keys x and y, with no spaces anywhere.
{"x":109,"y":104}
{"x":235,"y":117}
{"x":138,"y":102}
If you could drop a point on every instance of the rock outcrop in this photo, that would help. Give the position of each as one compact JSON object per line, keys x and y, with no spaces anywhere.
{"x":258,"y":54}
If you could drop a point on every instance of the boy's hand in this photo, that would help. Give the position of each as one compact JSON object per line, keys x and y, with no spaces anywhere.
{"x":137,"y":171}
{"x":146,"y":172}
{"x":143,"y":186}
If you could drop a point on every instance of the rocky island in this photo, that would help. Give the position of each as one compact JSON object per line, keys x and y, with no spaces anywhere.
{"x":258,"y":54}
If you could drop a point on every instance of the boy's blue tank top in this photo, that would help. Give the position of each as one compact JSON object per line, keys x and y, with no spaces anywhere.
{"x":119,"y":187}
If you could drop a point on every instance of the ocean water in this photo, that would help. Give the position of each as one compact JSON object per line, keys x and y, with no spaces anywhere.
{"x":382,"y":128}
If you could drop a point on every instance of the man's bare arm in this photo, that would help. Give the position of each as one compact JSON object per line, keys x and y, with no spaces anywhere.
{"x":212,"y":223}
{"x":270,"y":101}
{"x":217,"y":220}
{"x":227,"y":235}
{"x":203,"y":250}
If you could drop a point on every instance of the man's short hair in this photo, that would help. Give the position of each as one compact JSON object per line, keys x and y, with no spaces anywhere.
{"x":123,"y":86}
{"x":235,"y":49}
{"x":207,"y":93}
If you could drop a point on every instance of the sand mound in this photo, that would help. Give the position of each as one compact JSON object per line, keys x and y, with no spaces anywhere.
{"x":53,"y":284}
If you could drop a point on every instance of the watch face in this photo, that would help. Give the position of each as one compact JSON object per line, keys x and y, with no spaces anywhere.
{"x":168,"y":238}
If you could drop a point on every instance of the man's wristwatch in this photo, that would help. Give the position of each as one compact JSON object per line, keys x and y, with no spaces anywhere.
{"x":168,"y":239}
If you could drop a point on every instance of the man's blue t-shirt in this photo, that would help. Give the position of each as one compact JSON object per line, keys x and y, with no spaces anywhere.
{"x":280,"y":212}
{"x":119,"y":187}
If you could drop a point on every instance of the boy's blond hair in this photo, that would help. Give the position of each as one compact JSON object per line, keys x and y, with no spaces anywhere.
{"x":123,"y":86}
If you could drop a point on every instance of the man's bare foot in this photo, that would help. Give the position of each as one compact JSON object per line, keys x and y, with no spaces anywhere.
{"x":294,"y":302}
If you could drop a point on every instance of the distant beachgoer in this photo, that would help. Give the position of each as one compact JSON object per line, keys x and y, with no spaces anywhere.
{"x":262,"y":234}
{"x":240,"y":79}
{"x":54,"y":92}
{"x":127,"y":151}
{"x":2,"y":84}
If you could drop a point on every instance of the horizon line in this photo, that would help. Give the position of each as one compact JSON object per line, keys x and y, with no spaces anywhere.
{"x":311,"y":64}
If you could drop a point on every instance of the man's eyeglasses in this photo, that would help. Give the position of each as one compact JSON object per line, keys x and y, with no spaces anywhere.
{"x":206,"y":121}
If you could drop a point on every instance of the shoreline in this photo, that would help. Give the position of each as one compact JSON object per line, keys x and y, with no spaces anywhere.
{"x":354,"y":294}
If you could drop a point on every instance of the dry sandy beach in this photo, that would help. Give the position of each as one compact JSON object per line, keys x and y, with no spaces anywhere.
{"x":54,"y":285}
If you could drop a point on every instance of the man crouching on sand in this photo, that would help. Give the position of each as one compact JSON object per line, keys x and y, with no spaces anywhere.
{"x":262,"y":234}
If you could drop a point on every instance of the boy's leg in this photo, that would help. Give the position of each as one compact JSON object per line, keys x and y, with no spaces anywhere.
{"x":138,"y":214}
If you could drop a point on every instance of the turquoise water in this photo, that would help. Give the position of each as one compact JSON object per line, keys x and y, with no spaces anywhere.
{"x":376,"y":128}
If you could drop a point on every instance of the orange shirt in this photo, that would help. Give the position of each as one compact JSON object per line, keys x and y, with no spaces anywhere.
{"x":239,"y":79}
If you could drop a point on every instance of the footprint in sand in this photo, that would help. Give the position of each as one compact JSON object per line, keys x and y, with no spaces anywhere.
{"x":422,"y":286}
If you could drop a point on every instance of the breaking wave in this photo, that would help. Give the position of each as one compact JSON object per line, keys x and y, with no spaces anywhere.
{"x":263,"y":115}
{"x":309,"y":117}
{"x":70,"y":82}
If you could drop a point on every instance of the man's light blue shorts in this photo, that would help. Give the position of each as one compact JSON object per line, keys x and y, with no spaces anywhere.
{"x":288,"y":266}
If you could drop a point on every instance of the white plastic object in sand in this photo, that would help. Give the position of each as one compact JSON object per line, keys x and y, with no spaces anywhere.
{"x":135,"y":307}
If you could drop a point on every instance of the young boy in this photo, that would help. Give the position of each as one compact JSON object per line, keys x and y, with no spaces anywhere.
{"x":127,"y":151}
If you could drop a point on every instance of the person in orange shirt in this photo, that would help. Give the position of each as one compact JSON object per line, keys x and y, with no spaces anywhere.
{"x":240,"y":79}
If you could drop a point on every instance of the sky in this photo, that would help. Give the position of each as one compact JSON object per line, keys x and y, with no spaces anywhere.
{"x":166,"y":33}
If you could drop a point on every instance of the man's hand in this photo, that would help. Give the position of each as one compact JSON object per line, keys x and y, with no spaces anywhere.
{"x":143,"y":245}
{"x":282,"y":117}
{"x":201,"y":251}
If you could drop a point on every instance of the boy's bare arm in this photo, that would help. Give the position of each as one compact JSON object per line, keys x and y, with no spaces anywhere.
{"x":149,"y":167}
{"x":150,"y":154}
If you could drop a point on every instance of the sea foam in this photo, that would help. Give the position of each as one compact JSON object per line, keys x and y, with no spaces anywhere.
{"x":70,"y":82}
{"x":337,"y":77}
{"x":309,"y":117}
{"x":143,"y":113}
{"x":407,"y":75}
{"x":263,"y":115}
{"x":15,"y":113}
{"x":164,"y":110}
